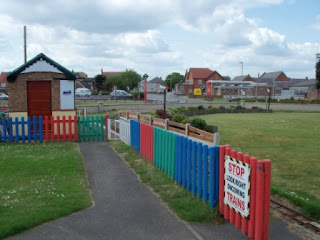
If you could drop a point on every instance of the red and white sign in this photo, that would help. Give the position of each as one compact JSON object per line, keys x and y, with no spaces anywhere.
{"x":237,"y":185}
{"x":161,"y":86}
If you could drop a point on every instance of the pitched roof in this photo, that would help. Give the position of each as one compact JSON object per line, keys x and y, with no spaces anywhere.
{"x":227,"y":78}
{"x":156,"y":80}
{"x":200,"y":72}
{"x":81,"y":74}
{"x":272,"y":75}
{"x":240,"y":78}
{"x":110,"y":74}
{"x":11,"y":77}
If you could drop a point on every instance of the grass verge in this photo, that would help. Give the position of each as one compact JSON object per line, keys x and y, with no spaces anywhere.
{"x":39,"y":183}
{"x":290,"y":140}
{"x":181,"y":202}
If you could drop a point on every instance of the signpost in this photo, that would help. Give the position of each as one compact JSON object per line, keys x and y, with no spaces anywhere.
{"x":164,"y":88}
{"x":237,"y":186}
{"x":145,"y":77}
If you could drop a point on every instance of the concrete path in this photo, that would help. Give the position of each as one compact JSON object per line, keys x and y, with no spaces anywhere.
{"x":126,"y":209}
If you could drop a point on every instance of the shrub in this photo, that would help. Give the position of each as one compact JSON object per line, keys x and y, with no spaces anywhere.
{"x":238,"y":107}
{"x":191,"y":109}
{"x":200,"y":107}
{"x":135,"y":94}
{"x":162,"y":114}
{"x":199,"y":123}
{"x":212,"y":107}
{"x":222,"y":108}
{"x":180,"y":118}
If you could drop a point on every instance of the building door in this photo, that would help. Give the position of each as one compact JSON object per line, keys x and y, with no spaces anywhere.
{"x":39,"y":98}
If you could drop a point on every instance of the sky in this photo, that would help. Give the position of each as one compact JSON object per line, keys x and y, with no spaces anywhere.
{"x":159,"y":37}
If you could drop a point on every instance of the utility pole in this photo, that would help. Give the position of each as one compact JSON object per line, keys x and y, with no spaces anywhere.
{"x":25,"y":43}
{"x":241,"y":68}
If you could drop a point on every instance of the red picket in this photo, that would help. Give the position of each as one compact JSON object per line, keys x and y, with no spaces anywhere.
{"x":267,"y":186}
{"x":75,"y":123}
{"x":253,"y":192}
{"x":64,"y":128}
{"x":259,"y":201}
{"x":226,"y":207}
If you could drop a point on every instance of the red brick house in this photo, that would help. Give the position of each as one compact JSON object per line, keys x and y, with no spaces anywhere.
{"x":3,"y":82}
{"x":197,"y":78}
{"x":41,"y":87}
{"x":277,"y":79}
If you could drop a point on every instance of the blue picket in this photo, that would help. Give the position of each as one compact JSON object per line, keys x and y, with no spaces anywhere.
{"x":135,"y":134}
{"x":216,"y":174}
{"x":189,"y":148}
{"x":184,"y":162}
{"x":194,"y":168}
{"x":212,"y":177}
{"x":199,"y":168}
{"x":205,"y":174}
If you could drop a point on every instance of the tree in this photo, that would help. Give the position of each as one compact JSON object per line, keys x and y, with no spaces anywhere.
{"x":172,"y":79}
{"x":99,"y":79}
{"x":318,"y":75}
{"x":126,"y":80}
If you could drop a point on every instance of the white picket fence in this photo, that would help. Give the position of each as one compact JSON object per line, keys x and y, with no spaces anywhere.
{"x":125,"y":130}
{"x":113,"y":129}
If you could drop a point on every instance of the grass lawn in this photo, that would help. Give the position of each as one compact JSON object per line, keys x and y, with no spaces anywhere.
{"x":38,"y":183}
{"x":290,"y":140}
{"x":181,"y":202}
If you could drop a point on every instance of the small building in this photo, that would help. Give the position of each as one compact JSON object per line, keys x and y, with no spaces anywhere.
{"x":152,"y":85}
{"x":41,"y":87}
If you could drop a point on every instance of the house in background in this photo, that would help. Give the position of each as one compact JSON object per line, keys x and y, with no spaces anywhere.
{"x":196,"y":78}
{"x":152,"y":85}
{"x":109,"y":74}
{"x":3,"y":82}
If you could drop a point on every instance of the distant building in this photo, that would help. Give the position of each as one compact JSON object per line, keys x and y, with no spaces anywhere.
{"x":152,"y":85}
{"x":197,"y":78}
{"x":3,"y":82}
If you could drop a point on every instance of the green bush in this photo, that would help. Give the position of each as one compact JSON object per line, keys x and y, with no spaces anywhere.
{"x":180,"y":118}
{"x":191,"y":109}
{"x":135,"y":94}
{"x":200,"y":107}
{"x":199,"y":123}
{"x":222,"y":108}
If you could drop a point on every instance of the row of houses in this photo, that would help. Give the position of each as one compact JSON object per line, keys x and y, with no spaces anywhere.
{"x":276,"y":84}
{"x":208,"y":82}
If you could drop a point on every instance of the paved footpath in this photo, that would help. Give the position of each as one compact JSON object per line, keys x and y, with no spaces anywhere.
{"x":126,"y":209}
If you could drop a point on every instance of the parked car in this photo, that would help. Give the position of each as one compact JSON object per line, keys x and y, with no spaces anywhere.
{"x":4,"y":96}
{"x":83,"y":92}
{"x":120,"y":94}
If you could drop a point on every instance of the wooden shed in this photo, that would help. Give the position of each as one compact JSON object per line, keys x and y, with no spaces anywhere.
{"x":41,"y":87}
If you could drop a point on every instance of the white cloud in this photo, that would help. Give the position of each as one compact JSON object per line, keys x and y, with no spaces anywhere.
{"x":88,"y":35}
{"x":316,"y":25}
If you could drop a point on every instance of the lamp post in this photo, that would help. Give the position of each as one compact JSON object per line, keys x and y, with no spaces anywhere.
{"x":241,"y":68}
{"x":269,"y":91}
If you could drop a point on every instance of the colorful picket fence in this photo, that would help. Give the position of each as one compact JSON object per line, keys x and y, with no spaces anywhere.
{"x":200,"y":169}
{"x":14,"y":131}
{"x":91,"y":128}
{"x":191,"y":164}
{"x":71,"y":128}
{"x":256,"y":225}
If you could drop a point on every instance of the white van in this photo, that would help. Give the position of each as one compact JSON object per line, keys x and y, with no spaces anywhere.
{"x":83,"y":92}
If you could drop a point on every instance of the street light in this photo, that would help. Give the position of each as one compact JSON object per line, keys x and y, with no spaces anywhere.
{"x":269,"y":91}
{"x":241,"y":68}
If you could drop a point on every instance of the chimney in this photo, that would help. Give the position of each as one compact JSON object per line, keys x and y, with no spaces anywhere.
{"x":101,"y":71}
{"x":258,"y":75}
{"x":307,"y":79}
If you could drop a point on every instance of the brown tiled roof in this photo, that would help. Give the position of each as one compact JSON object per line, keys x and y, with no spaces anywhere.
{"x":200,"y":72}
{"x":110,"y":74}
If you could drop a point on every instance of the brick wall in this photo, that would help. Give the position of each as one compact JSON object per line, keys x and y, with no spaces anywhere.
{"x":17,"y":90}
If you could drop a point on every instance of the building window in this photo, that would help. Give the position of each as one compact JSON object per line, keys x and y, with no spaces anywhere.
{"x":199,"y":82}
{"x":189,"y":90}
{"x":3,"y":85}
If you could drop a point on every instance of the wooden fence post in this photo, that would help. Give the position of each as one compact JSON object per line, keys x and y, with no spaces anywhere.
{"x":166,"y":124}
{"x":216,"y":139}
{"x":187,"y":129}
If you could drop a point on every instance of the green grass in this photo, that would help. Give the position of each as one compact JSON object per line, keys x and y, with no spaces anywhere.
{"x":38,"y":183}
{"x":290,"y":140}
{"x":181,"y":202}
